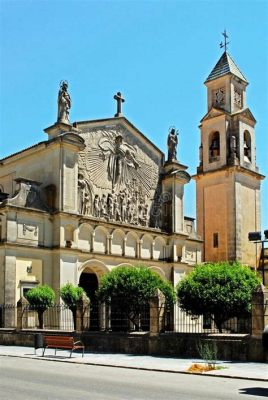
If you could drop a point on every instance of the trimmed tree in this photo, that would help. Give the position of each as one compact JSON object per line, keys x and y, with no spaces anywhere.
{"x":70,"y":294}
{"x":41,"y":298}
{"x":222,"y":290}
{"x":131,"y":288}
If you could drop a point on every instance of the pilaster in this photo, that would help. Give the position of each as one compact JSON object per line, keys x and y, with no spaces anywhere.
{"x":173,"y":192}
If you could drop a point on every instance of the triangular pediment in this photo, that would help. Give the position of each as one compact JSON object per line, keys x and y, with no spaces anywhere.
{"x":247,"y":114}
{"x":118,"y":166}
{"x":212,"y":113}
{"x":120,"y":124}
{"x":118,"y":173}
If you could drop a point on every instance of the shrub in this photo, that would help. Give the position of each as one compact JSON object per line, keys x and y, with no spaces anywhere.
{"x":70,"y":294}
{"x":41,"y":298}
{"x":222,"y":290}
{"x":133,"y":287}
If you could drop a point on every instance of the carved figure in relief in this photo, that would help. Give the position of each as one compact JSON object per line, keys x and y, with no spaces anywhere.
{"x":123,"y":205}
{"x":110,"y":206}
{"x":117,"y":214}
{"x":112,"y":163}
{"x":103,"y":206}
{"x":172,"y":143}
{"x":64,"y":103}
{"x":127,"y":206}
{"x":157,"y":209}
{"x":87,"y":205}
{"x":84,"y":198}
{"x":129,"y":211}
{"x":121,"y":159}
{"x":96,"y":206}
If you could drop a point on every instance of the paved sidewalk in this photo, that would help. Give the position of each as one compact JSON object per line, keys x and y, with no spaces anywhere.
{"x":231,"y":369}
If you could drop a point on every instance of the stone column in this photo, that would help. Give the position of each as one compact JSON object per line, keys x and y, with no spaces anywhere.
{"x":174,"y":253}
{"x":109,"y":244}
{"x":173,"y":186}
{"x":124,"y":246}
{"x":10,"y":290}
{"x":152,"y":250}
{"x":102,"y":315}
{"x":92,"y":246}
{"x":22,"y":320}
{"x":82,"y":313}
{"x":108,"y":317}
{"x":139,"y":243}
{"x":259,"y":320}
{"x":157,"y":313}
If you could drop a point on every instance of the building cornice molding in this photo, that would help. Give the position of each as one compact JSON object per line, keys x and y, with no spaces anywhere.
{"x":227,"y":168}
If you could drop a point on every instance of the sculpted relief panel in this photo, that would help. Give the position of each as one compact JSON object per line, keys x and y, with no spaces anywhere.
{"x":117,"y":177}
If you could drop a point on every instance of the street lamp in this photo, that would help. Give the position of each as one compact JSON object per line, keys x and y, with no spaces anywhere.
{"x":257,"y":238}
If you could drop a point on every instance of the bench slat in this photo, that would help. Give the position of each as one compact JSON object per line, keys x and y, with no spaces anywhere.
{"x":62,"y":342}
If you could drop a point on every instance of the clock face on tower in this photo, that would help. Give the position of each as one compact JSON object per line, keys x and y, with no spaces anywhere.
{"x":219,"y":96}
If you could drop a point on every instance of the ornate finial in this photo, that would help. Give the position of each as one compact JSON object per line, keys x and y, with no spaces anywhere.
{"x":172,"y":143}
{"x":118,"y":97}
{"x":225,"y":41}
{"x":64,"y":103}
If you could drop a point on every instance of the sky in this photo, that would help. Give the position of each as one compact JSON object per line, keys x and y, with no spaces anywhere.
{"x":157,"y":53}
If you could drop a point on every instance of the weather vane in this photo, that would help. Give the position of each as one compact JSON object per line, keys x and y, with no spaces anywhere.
{"x":225,"y":41}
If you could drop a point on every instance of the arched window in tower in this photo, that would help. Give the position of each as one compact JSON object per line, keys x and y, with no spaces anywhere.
{"x":247,"y":147}
{"x":214,"y":146}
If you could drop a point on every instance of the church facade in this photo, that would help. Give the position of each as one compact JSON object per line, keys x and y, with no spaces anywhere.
{"x":98,"y":194}
{"x":93,"y":196}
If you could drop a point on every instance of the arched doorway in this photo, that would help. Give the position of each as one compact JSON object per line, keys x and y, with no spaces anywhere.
{"x":89,"y":282}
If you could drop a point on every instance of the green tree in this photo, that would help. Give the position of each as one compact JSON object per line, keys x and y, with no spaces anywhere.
{"x":222,"y":290}
{"x":70,"y":294}
{"x":41,"y":298}
{"x":132,"y":288}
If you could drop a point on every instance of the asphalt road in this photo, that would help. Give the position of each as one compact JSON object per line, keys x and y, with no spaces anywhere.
{"x":26,"y":379}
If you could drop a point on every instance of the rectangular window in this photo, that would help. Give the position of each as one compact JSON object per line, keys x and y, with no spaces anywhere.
{"x":215,"y":240}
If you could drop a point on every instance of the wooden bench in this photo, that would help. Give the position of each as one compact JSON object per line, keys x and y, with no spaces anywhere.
{"x":62,"y":343}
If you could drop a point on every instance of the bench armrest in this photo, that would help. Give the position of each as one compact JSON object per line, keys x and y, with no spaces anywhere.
{"x":78,"y":342}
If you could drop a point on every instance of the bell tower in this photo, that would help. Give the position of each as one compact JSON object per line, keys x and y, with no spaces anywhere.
{"x":227,"y":179}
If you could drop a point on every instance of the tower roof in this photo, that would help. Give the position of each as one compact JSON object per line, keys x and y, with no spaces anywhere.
{"x":224,"y":66}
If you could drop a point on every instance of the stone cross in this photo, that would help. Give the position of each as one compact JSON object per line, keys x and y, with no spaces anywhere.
{"x":118,"y":97}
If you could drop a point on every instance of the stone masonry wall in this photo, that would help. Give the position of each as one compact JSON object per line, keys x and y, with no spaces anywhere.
{"x":230,"y":347}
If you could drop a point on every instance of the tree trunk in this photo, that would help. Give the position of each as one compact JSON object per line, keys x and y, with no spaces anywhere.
{"x":41,"y":318}
{"x":218,"y":323}
{"x":74,"y":317}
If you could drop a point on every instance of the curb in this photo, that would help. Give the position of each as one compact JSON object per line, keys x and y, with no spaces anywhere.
{"x":40,"y":358}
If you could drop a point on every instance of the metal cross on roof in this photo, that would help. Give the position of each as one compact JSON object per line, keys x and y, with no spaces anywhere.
{"x":118,"y":97}
{"x":225,"y":41}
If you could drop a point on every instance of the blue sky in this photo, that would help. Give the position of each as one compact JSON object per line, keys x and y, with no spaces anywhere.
{"x":157,"y":53}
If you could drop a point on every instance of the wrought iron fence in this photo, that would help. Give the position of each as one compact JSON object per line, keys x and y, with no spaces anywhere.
{"x":58,"y":317}
{"x":115,"y":317}
{"x":185,"y":323}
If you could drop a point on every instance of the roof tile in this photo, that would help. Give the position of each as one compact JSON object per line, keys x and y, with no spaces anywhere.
{"x":224,"y":66}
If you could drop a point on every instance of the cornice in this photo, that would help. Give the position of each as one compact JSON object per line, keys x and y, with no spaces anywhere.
{"x":235,"y":168}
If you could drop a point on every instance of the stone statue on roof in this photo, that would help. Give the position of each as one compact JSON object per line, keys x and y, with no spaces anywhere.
{"x":172,"y":143}
{"x":64,"y":103}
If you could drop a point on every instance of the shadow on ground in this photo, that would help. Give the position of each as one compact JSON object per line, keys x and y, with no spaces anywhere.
{"x":255,"y":391}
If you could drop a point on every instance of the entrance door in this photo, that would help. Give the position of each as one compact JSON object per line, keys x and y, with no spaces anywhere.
{"x":89,"y":282}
